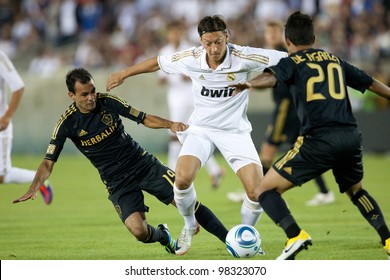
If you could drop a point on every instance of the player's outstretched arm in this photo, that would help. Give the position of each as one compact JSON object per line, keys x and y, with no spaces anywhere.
{"x":43,"y":172}
{"x":157,"y":122}
{"x":147,"y":66}
{"x":380,"y":89}
{"x":265,"y":80}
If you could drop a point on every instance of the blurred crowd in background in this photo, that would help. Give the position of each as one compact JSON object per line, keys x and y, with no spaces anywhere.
{"x":44,"y":35}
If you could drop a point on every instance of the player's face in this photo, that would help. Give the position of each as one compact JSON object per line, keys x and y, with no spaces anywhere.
{"x":273,"y":36}
{"x":84,"y":96}
{"x":215,"y":44}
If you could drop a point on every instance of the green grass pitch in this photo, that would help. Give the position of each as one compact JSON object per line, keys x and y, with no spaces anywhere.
{"x":82,"y":224}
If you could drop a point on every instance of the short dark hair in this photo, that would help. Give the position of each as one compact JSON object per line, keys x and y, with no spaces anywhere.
{"x":299,"y":29}
{"x":212,"y":24}
{"x":77,"y":74}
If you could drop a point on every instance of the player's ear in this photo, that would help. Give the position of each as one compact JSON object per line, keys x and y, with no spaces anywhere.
{"x":288,"y":42}
{"x":71,"y":95}
{"x":227,"y":37}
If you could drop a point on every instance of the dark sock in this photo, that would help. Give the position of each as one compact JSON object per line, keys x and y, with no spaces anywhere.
{"x":276,"y":209}
{"x":210,"y":222}
{"x":321,"y":184}
{"x":372,"y":213}
{"x":156,"y":235}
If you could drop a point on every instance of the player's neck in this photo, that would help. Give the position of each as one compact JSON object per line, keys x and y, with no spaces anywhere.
{"x":213,"y":64}
{"x":294,"y":49}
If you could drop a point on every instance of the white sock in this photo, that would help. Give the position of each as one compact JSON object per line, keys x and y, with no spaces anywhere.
{"x":185,"y":202}
{"x":212,"y":166}
{"x":173,"y":153}
{"x":250,"y":212}
{"x":19,"y":175}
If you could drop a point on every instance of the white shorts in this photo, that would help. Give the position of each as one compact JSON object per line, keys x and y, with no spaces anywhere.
{"x":5,"y":155}
{"x":237,"y":149}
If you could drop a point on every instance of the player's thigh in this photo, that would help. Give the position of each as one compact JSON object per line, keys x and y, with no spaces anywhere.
{"x":348,"y":166}
{"x":128,"y":202}
{"x":250,"y":176}
{"x":273,"y":181}
{"x":159,"y":183}
{"x":197,"y":146}
{"x":307,"y":159}
{"x":5,"y":155}
{"x":237,"y":149}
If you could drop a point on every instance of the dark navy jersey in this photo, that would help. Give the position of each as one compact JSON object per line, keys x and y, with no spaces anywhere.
{"x":318,"y":83}
{"x":281,"y":91}
{"x":100,"y":136}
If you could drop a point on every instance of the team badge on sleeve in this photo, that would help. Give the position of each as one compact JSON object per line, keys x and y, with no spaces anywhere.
{"x":51,"y":149}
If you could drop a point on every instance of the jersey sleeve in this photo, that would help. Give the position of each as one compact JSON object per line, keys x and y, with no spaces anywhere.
{"x":122,"y":107}
{"x":283,"y":71}
{"x":356,"y":78}
{"x":9,"y":73}
{"x":258,"y":59}
{"x":57,"y":141}
{"x":175,"y":63}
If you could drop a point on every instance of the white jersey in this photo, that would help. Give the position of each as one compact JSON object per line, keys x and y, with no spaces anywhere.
{"x":8,"y":76}
{"x":214,"y":106}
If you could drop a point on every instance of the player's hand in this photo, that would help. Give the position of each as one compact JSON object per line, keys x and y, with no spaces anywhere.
{"x":4,"y":122}
{"x":30,"y":194}
{"x":240,"y":87}
{"x":114,"y":80}
{"x":178,"y":126}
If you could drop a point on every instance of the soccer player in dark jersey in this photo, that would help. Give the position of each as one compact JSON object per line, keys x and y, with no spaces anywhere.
{"x":94,"y":125}
{"x":318,"y":82}
{"x":284,"y":126}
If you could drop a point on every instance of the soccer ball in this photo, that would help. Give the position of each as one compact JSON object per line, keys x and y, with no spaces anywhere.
{"x":243,"y":241}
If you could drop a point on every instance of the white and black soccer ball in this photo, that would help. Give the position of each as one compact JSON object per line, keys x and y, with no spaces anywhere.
{"x":243,"y":241}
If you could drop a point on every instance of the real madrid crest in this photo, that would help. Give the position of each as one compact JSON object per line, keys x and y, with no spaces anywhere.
{"x":107,"y":119}
{"x":231,"y":77}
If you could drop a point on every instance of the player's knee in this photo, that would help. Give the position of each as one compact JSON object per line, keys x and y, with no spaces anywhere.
{"x":139,"y":231}
{"x":183,"y":180}
{"x":141,"y":234}
{"x":252,"y":195}
{"x":354,"y":189}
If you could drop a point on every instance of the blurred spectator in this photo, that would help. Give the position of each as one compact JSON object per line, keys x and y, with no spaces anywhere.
{"x":45,"y":64}
{"x":87,"y":52}
{"x":67,"y":22}
{"x":89,"y":13}
{"x":6,"y":43}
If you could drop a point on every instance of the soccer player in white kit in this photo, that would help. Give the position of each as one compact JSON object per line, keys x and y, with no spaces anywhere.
{"x":219,"y":119}
{"x":8,"y":174}
{"x":180,"y":101}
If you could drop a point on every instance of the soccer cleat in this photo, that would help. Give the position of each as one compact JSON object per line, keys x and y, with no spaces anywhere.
{"x":295,"y":245}
{"x":46,"y":191}
{"x":183,"y":243}
{"x":387,"y":247}
{"x":171,"y":245}
{"x":321,"y":199}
